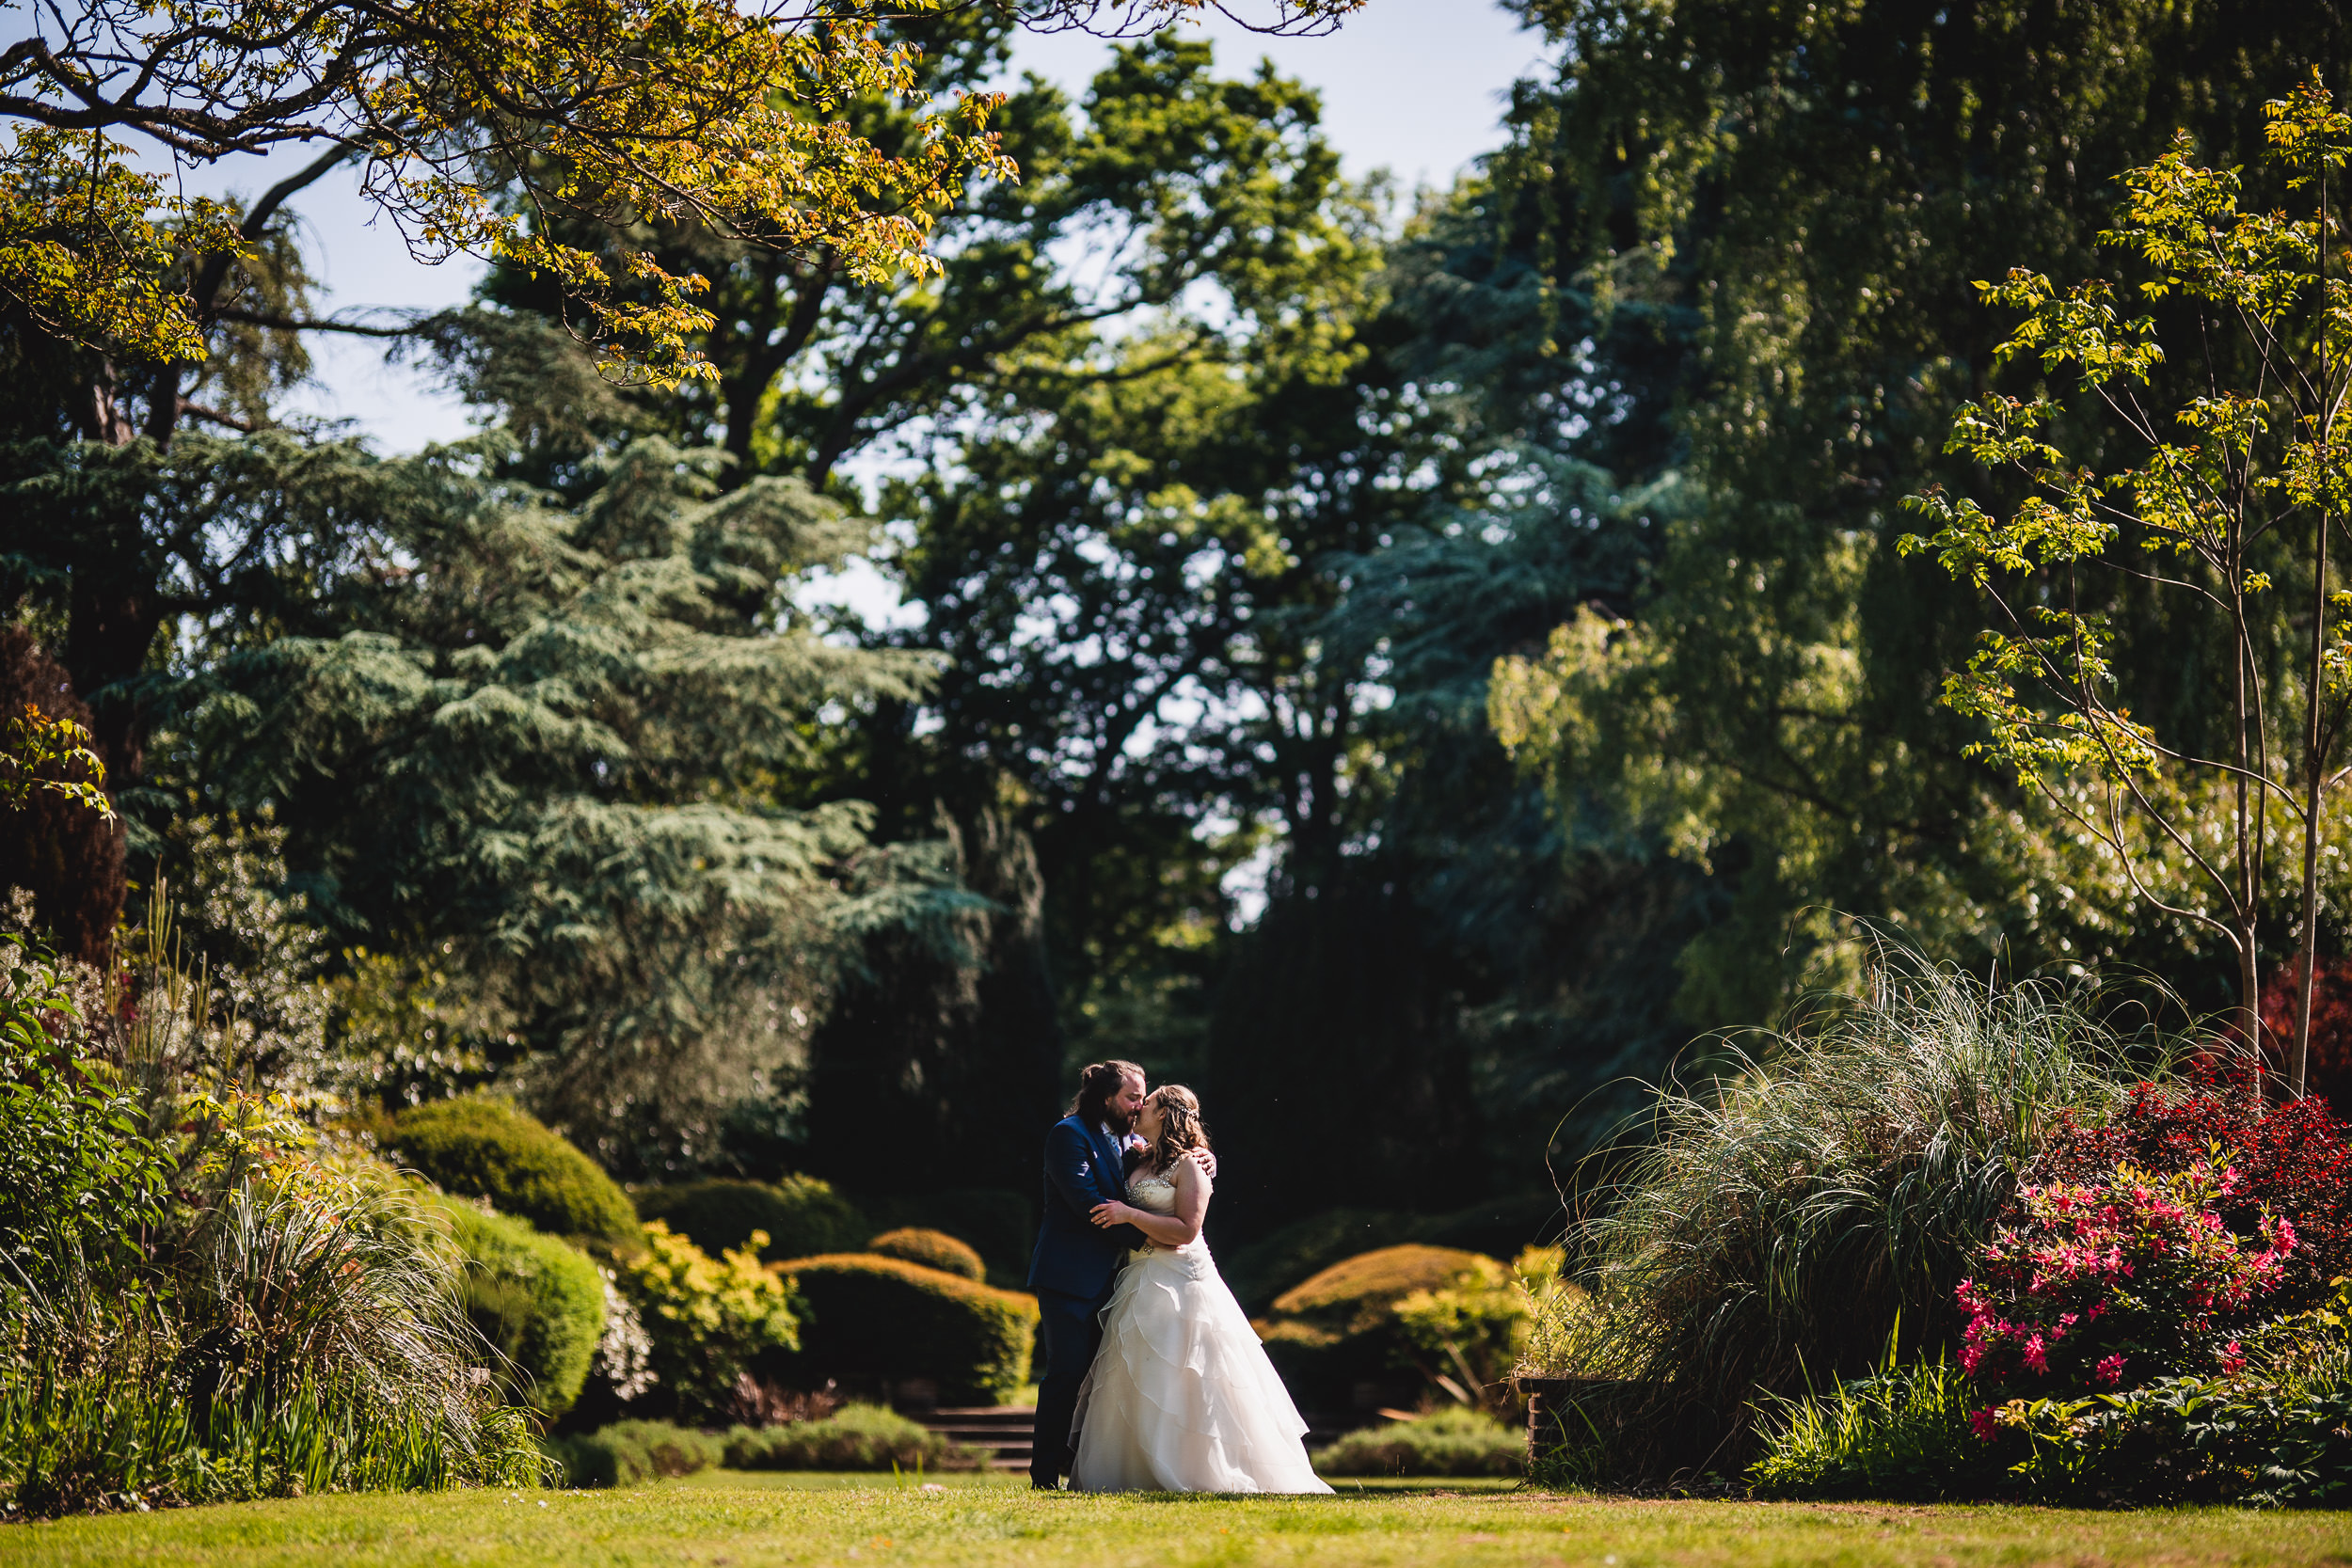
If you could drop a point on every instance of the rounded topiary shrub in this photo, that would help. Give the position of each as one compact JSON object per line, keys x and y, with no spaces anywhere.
{"x":539,"y":1300}
{"x":479,"y":1147}
{"x":802,"y":1215}
{"x":999,"y":1225}
{"x":875,"y":1319}
{"x":1340,"y":1327}
{"x":933,"y":1249}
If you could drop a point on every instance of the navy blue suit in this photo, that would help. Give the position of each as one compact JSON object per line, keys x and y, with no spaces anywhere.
{"x":1074,"y":1266}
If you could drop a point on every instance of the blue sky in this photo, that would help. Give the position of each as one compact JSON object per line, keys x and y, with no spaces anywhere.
{"x":1414,"y":86}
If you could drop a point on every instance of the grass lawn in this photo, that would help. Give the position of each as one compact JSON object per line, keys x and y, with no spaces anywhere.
{"x":747,"y":1520}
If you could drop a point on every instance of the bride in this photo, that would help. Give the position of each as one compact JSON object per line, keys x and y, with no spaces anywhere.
{"x":1180,"y":1398}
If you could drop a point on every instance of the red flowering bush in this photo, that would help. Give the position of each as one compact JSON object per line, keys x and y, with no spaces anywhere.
{"x":2294,"y":1160}
{"x":2135,"y":1276}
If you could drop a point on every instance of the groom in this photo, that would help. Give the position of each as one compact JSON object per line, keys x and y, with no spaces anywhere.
{"x":1076,"y":1260}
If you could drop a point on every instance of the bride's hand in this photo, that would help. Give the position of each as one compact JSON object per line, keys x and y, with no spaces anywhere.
{"x":1108,"y":1214}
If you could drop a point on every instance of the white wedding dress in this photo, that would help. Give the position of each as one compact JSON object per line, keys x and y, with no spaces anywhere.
{"x":1181,"y":1397}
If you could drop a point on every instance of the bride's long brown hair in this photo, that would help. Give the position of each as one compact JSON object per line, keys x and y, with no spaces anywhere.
{"x":1180,"y":1128}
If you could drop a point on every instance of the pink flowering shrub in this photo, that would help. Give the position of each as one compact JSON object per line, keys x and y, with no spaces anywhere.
{"x":2115,"y":1281}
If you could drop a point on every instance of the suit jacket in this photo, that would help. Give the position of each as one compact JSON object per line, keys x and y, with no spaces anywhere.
{"x":1075,"y":1255}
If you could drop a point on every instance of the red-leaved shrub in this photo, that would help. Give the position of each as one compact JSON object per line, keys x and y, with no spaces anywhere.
{"x":2330,"y":1063}
{"x":2293,"y":1160}
{"x":2132,"y":1276}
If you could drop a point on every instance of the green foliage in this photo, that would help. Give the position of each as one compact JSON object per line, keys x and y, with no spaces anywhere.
{"x":1770,"y":221}
{"x":1350,"y":1323}
{"x":2269,"y":1433}
{"x":539,"y":1302}
{"x":711,"y":1320}
{"x":80,"y":1176}
{"x":1902,"y":1433}
{"x":1814,"y":1195}
{"x":998,"y":1224}
{"x":933,"y":1249}
{"x":39,"y":752}
{"x":486,"y":1148}
{"x":1456,"y":1442}
{"x":799,"y":1215}
{"x":855,"y":1437}
{"x":879,"y":1318}
{"x":628,"y":1454}
{"x":566,"y":787}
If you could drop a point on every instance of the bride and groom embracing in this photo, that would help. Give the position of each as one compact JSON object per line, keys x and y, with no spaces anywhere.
{"x":1153,"y":1379}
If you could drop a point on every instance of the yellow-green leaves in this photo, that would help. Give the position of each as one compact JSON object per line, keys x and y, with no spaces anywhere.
{"x":89,"y":246}
{"x":32,"y":740}
{"x":2233,"y":497}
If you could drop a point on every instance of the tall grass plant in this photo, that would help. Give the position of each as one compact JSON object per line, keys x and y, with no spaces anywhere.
{"x":1821,"y":1188}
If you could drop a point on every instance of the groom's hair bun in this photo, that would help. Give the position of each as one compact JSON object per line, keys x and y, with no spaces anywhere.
{"x":1097,"y":1082}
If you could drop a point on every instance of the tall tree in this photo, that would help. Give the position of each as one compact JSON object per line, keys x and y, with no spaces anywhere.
{"x":1818,"y":188}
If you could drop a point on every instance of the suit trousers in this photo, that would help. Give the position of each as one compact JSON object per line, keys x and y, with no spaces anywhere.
{"x":1070,"y":1329}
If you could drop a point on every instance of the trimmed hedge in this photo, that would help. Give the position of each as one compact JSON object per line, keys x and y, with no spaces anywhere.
{"x":933,"y":1249}
{"x":855,"y":1437}
{"x":995,"y":1222}
{"x":1299,"y":1251}
{"x":1340,"y":1327}
{"x":1456,"y":1442}
{"x":876,"y":1318}
{"x":802,"y":1215}
{"x":1355,"y":1296}
{"x":479,"y":1147}
{"x":539,"y":1300}
{"x":629,"y":1453}
{"x":1286,"y":1258}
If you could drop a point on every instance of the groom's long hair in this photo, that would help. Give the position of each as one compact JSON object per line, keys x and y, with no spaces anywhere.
{"x":1097,"y":1082}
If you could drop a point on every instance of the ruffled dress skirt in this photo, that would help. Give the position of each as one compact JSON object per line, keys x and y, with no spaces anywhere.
{"x":1181,"y":1397}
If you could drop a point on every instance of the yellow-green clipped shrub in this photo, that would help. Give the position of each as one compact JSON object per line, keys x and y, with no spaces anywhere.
{"x":933,"y":1249}
{"x":800,"y":1216}
{"x":1342,"y":1326}
{"x":881,"y":1318}
{"x":484,"y":1147}
{"x":538,"y":1299}
{"x":710,"y":1319}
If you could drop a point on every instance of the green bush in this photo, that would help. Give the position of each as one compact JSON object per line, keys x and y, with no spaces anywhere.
{"x":539,"y":1300}
{"x":1499,"y":1227}
{"x":933,"y":1249}
{"x":629,"y":1452}
{"x":1343,"y":1327}
{"x":855,"y":1437}
{"x":1456,"y":1442}
{"x":197,"y":1310}
{"x":800,"y":1216}
{"x":876,"y":1318}
{"x":998,"y":1224}
{"x":1902,"y":1435}
{"x":1299,"y":1251}
{"x":484,"y":1147}
{"x":711,"y":1320}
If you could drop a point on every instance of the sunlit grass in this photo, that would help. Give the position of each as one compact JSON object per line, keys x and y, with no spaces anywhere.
{"x":988,"y":1522}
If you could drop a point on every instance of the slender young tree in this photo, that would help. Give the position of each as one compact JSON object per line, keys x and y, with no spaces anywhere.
{"x":2229,"y":505}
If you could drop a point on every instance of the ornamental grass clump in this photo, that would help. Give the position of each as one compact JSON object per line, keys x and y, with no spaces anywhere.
{"x":1803,"y":1202}
{"x":194,"y":1305}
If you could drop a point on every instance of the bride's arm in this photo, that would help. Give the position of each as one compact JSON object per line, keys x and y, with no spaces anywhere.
{"x":1178,"y":1229}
